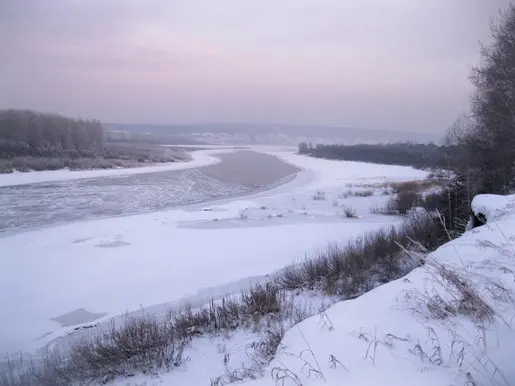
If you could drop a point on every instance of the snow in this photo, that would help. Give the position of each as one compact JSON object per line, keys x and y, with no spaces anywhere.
{"x":378,"y":344}
{"x":200,"y":158}
{"x":389,"y":336}
{"x":56,"y":279}
{"x":116,"y":265}
{"x":491,"y":205}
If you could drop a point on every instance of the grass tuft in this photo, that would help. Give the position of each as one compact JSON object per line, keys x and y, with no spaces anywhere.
{"x":319,"y":196}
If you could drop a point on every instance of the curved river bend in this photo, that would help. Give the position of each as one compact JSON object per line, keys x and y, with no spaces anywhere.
{"x":43,"y":204}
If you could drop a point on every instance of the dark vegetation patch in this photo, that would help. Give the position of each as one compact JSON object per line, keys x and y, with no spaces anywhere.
{"x":365,"y":262}
{"x":410,"y":154}
{"x":36,"y":141}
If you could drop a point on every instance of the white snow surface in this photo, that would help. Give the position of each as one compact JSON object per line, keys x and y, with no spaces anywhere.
{"x":491,"y":205}
{"x":389,"y":335}
{"x":200,"y":158}
{"x":111,"y":266}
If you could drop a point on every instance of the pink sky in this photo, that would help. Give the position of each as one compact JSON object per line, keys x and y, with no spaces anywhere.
{"x":385,"y":64}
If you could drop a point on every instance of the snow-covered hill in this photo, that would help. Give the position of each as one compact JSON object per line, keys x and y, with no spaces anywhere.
{"x":448,"y":322}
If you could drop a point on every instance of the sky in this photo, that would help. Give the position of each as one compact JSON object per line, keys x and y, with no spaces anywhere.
{"x":382,"y":64}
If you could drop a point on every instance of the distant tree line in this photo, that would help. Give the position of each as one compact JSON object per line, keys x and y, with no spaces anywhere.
{"x":31,"y":140}
{"x":417,"y":155}
{"x":29,"y":133}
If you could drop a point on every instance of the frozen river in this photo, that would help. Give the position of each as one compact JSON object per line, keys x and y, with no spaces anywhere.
{"x":41,"y":204}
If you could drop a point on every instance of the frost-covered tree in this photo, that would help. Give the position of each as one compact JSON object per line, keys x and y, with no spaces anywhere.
{"x":29,"y":133}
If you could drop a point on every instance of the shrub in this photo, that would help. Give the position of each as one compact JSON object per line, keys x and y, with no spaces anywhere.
{"x":408,"y":186}
{"x":364,"y":193}
{"x":434,"y":201}
{"x":406,"y":196}
{"x":319,"y":195}
{"x":349,"y":212}
{"x":403,"y":201}
{"x":261,"y":300}
{"x":359,"y":193}
{"x":344,"y":195}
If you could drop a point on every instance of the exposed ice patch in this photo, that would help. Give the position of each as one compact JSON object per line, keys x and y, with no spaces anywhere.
{"x":78,"y":241}
{"x":79,"y":316}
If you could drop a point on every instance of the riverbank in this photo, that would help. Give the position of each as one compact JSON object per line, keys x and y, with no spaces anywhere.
{"x":198,"y":159}
{"x":109,"y":156}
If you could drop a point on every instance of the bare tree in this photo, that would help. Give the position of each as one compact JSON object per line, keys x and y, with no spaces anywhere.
{"x":491,"y":139}
{"x":458,"y":131}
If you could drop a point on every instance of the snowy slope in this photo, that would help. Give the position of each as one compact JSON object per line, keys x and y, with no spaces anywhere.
{"x":394,"y":335}
{"x":389,"y":336}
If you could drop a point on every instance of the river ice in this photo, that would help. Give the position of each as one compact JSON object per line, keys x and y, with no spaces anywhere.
{"x":57,"y":202}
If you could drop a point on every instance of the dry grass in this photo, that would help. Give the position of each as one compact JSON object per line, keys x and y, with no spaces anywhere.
{"x":149,"y":344}
{"x":365,"y":262}
{"x":260,"y":353}
{"x":358,"y":193}
{"x":364,"y":193}
{"x":142,"y":344}
{"x":454,"y":294}
{"x":387,"y":210}
{"x":319,"y":196}
{"x":344,"y":195}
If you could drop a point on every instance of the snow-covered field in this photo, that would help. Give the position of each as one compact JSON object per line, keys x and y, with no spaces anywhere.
{"x":55,"y":279}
